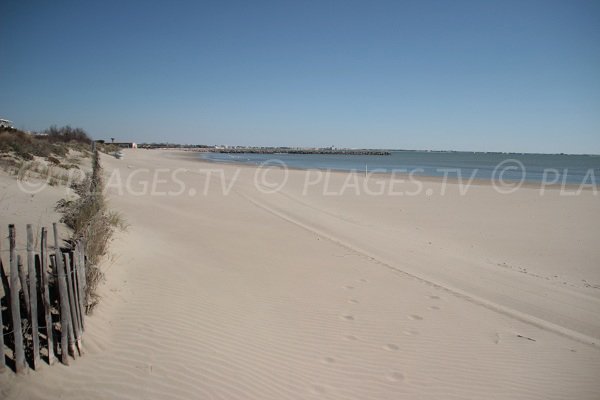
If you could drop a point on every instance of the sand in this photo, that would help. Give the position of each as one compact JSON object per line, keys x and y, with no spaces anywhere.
{"x":225,"y":291}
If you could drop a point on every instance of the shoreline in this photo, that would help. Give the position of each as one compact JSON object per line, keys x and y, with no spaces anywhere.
{"x":526,"y":184}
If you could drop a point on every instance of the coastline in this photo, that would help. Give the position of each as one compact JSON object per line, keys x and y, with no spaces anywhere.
{"x":526,"y":184}
{"x":240,"y":293}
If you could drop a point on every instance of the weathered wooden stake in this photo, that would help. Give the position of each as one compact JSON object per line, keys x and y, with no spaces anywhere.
{"x":1,"y":322}
{"x":33,"y":312}
{"x":4,"y":278}
{"x":71,"y":328}
{"x":23,"y":279}
{"x":72,"y":302}
{"x":80,"y":278}
{"x":84,"y":272}
{"x":76,"y":292}
{"x":65,"y":316}
{"x":15,"y":303}
{"x":46,"y":294}
{"x":1,"y":336}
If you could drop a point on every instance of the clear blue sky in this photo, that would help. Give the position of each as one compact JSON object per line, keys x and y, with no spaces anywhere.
{"x":463,"y":75}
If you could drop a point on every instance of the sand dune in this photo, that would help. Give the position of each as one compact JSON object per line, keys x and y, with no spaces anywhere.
{"x":300,"y":295}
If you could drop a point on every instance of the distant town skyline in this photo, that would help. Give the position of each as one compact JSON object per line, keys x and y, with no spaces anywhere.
{"x":514,"y":76}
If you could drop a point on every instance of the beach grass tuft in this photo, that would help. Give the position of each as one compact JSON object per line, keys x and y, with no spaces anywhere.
{"x":91,"y":220}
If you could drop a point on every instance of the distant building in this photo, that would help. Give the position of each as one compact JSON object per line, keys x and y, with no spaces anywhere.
{"x":4,"y":123}
{"x":126,"y":145}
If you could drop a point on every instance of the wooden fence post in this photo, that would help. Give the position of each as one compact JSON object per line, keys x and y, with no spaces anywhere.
{"x":46,"y":294}
{"x":76,"y":291}
{"x":1,"y":336}
{"x":84,"y":267}
{"x":71,"y":328}
{"x":15,"y":303}
{"x":33,"y":312}
{"x":23,"y":279}
{"x":65,"y":316}
{"x":1,"y":322}
{"x":72,"y":302}
{"x":80,"y":277}
{"x":4,"y":278}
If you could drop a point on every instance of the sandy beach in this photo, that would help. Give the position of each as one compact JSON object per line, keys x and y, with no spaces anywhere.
{"x":239,"y":282}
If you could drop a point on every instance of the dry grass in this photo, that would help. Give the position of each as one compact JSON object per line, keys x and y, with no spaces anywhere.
{"x":91,"y":220}
{"x":51,"y":173}
{"x":54,"y":159}
{"x":55,"y":142}
{"x":108,"y":147}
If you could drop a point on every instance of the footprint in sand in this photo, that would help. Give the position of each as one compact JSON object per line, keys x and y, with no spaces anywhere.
{"x":394,"y":376}
{"x":434,"y":308}
{"x":415,"y":317}
{"x":363,"y":280}
{"x":353,"y":301}
{"x":347,"y":317}
{"x":434,"y":297}
{"x":329,"y":360}
{"x":391,"y":347}
{"x":348,"y":287}
{"x":350,"y":337}
{"x":497,"y":338}
{"x":410,"y":332}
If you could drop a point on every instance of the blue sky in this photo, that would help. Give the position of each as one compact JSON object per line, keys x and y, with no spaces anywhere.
{"x":462,"y":75}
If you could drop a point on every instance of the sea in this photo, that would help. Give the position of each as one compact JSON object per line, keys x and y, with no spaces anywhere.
{"x":548,"y":168}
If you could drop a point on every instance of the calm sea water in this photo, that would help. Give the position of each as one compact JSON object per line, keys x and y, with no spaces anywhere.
{"x":573,"y":169}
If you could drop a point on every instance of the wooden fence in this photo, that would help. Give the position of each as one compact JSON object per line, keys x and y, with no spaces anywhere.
{"x":41,"y":304}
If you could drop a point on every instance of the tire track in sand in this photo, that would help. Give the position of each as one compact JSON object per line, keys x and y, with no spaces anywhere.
{"x":506,"y":311}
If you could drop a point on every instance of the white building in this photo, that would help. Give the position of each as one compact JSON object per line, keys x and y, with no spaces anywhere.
{"x":4,"y":123}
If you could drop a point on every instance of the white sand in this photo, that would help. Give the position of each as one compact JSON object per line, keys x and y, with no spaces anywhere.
{"x":298,"y":295}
